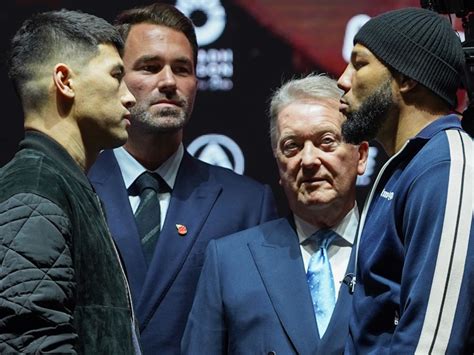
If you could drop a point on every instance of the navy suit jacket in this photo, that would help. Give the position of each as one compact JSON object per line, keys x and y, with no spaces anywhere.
{"x":253,"y":298}
{"x":211,"y":202}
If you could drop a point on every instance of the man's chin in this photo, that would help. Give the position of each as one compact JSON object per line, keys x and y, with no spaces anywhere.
{"x":117,"y":140}
{"x":356,"y":132}
{"x":315,"y":202}
{"x":363,"y":123}
{"x":169,"y":128}
{"x":160,"y":125}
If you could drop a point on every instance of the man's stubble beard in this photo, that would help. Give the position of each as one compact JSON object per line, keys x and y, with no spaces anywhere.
{"x":364,"y":123}
{"x":165,"y":120}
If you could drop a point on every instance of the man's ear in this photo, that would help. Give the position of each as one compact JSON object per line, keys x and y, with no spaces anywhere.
{"x":62,"y":80}
{"x":363,"y":157}
{"x":405,"y":84}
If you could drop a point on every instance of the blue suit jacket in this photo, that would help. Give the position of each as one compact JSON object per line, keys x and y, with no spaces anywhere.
{"x":253,"y":298}
{"x":211,"y":202}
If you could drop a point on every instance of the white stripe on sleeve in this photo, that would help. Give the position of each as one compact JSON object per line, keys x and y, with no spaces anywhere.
{"x":451,"y":259}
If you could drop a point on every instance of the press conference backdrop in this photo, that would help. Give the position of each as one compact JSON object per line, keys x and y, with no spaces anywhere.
{"x":247,"y":49}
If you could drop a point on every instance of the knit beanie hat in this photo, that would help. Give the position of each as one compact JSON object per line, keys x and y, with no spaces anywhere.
{"x":419,"y":44}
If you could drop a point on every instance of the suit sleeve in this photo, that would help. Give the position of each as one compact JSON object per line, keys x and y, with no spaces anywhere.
{"x":436,"y":312}
{"x":205,"y":331}
{"x":36,"y":277}
{"x":268,"y":206}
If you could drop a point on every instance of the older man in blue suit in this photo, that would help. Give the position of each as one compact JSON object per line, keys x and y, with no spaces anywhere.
{"x":277,"y":288}
{"x":164,"y":206}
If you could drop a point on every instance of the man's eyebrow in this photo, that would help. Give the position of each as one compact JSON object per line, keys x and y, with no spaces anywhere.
{"x":184,"y":60}
{"x":359,"y":53}
{"x":147,"y":58}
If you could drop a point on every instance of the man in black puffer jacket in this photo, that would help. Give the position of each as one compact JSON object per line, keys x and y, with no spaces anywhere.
{"x":62,"y":286}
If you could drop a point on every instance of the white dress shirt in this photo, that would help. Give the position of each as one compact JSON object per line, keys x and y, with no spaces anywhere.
{"x":131,"y":169}
{"x":339,"y":251}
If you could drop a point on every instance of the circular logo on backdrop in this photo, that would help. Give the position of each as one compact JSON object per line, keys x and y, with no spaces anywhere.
{"x":220,"y":150}
{"x":208,"y":16}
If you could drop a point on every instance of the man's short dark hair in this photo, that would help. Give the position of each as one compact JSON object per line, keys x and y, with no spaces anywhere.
{"x":158,"y":14}
{"x":54,"y":36}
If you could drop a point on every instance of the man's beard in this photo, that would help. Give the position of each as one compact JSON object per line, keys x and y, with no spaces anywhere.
{"x":167,"y":119}
{"x":365,"y":123}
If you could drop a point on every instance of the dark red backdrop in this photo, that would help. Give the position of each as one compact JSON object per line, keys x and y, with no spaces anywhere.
{"x":263,"y":43}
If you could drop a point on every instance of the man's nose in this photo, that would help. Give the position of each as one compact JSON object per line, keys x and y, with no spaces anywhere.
{"x":310,"y":155}
{"x":128,"y":100}
{"x":166,"y":79}
{"x":345,"y":80}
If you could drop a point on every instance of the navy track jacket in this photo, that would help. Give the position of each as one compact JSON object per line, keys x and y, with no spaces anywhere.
{"x":415,"y":276}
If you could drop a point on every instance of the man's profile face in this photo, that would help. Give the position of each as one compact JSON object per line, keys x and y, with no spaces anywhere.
{"x":102,"y":100}
{"x":367,"y":98}
{"x":159,"y":68}
{"x":317,"y":168}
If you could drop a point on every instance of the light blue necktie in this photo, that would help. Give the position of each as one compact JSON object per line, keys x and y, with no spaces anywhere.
{"x":321,"y":281}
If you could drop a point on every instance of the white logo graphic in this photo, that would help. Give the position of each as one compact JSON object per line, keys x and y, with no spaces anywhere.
{"x":215,"y":69}
{"x":364,"y":180}
{"x":215,"y":22}
{"x":220,"y":150}
{"x":352,"y":27}
{"x":386,"y":194}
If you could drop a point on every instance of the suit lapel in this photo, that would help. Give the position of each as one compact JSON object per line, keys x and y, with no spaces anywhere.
{"x":106,"y":177}
{"x":281,"y":267}
{"x":191,"y":201}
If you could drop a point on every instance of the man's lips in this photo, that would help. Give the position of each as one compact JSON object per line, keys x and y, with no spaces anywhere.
{"x":313,"y":180}
{"x":343,"y":105}
{"x":168,"y":102}
{"x":126,"y":118}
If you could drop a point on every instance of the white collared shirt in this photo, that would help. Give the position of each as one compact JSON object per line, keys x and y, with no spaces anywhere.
{"x":339,"y":251}
{"x":131,"y":169}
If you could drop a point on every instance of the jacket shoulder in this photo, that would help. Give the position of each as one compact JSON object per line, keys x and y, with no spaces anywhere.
{"x":30,"y":168}
{"x":252,"y":234}
{"x":227,"y":176}
{"x":34,"y":173}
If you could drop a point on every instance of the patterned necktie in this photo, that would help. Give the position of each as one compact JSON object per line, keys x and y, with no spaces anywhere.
{"x":320,"y":280}
{"x":148,"y":215}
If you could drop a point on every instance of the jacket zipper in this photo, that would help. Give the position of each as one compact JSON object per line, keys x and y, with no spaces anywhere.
{"x":353,"y":281}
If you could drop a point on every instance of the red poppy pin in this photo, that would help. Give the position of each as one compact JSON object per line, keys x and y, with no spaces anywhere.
{"x":182,"y":230}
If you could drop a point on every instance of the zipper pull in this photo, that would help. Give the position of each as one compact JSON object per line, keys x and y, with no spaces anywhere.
{"x":396,"y":318}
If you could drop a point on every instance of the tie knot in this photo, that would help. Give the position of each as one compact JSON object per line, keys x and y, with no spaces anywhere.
{"x":148,"y":180}
{"x":324,"y":237}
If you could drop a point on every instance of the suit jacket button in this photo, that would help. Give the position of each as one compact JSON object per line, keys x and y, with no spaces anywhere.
{"x":272,"y":353}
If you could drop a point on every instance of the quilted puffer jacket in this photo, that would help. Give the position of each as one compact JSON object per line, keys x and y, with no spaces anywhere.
{"x":62,"y":287}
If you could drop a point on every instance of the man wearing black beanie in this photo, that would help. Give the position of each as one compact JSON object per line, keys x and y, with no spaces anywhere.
{"x":415,"y":270}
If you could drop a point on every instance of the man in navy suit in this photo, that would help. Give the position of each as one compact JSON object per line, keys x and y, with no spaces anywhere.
{"x":200,"y":201}
{"x":253,"y":296}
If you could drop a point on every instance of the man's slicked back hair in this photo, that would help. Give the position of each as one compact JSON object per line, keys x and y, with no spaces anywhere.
{"x":311,"y":87}
{"x":52,"y":37}
{"x":158,"y":14}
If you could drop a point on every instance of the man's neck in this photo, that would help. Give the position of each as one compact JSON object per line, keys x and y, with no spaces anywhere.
{"x":406,"y":123}
{"x":154,"y":149}
{"x":66,"y":134}
{"x":326,"y":216}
